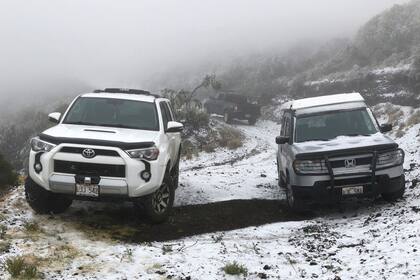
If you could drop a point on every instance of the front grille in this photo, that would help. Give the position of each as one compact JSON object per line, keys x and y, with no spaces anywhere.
{"x":98,"y":152}
{"x":89,"y":169}
{"x":359,"y":161}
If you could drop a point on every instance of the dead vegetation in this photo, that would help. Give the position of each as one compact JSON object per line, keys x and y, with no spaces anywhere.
{"x":220,"y":136}
{"x":21,"y":268}
{"x":413,"y":119}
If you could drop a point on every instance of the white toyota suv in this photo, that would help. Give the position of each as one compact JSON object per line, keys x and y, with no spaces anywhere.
{"x":112,"y":144}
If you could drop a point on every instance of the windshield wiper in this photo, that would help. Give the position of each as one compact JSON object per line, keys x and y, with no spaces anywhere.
{"x":355,"y":134}
{"x":307,"y":140}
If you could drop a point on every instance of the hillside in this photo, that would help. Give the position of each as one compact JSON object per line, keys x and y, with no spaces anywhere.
{"x":382,"y":61}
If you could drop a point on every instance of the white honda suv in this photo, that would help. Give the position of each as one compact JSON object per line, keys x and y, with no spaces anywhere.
{"x":112,"y":144}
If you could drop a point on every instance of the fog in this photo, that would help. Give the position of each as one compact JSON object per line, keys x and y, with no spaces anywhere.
{"x":96,"y":43}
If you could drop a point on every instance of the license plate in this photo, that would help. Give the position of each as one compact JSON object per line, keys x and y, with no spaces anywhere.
{"x":352,"y":190}
{"x":247,"y":116}
{"x":87,"y":190}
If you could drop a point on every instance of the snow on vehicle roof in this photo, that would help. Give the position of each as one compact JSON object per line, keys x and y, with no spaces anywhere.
{"x":323,"y":100}
{"x":125,"y":96}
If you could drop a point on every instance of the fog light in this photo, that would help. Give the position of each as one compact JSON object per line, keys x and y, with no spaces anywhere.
{"x":38,"y":167}
{"x":145,"y":175}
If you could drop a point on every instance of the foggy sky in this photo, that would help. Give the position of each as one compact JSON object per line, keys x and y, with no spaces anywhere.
{"x":101,"y":42}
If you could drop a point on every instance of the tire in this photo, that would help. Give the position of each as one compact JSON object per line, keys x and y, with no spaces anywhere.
{"x":252,"y":121}
{"x":393,"y":196}
{"x":152,"y":206}
{"x":43,"y":201}
{"x":227,"y":117}
{"x":281,"y":182}
{"x":175,"y":173}
{"x":294,"y":204}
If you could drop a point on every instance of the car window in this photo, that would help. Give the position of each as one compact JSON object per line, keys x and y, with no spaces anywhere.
{"x":330,"y":125}
{"x":172,"y":112}
{"x":113,"y":112}
{"x":285,"y":125}
{"x":168,"y":111}
{"x":164,"y":112}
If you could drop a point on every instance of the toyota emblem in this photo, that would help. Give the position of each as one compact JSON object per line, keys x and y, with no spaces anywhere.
{"x":88,"y":153}
{"x":349,"y":163}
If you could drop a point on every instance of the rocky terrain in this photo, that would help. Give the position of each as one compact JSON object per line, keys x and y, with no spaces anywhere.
{"x":229,"y":217}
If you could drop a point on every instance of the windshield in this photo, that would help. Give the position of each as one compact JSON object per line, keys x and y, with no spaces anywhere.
{"x":114,"y":113}
{"x":329,"y":125}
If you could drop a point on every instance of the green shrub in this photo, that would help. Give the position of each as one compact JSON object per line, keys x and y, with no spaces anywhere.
{"x":18,"y":268}
{"x":15,"y":266}
{"x":7,"y":175}
{"x":32,"y":227}
{"x":235,"y":269}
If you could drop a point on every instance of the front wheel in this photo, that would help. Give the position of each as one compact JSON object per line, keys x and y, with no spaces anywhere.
{"x":158,"y":205}
{"x":43,"y":201}
{"x":293,"y":203}
{"x":393,"y":196}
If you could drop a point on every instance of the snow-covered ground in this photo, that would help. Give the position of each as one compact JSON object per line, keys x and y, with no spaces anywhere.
{"x":361,"y":240}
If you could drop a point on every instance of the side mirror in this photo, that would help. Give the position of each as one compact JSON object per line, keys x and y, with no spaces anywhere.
{"x":385,"y":127}
{"x":54,"y":117}
{"x":174,"y":127}
{"x":282,"y":140}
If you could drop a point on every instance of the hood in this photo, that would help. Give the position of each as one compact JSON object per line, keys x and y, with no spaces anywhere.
{"x":99,"y":135}
{"x":344,"y":144}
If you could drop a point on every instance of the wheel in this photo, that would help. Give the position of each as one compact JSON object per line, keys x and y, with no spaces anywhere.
{"x":227,"y":117}
{"x":175,"y":173}
{"x":252,"y":121}
{"x":281,"y":182}
{"x":43,"y":201}
{"x":294,"y":204}
{"x":393,"y":196}
{"x":158,"y":205}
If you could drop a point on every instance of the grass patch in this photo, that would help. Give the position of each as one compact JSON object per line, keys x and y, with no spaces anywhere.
{"x":235,"y":269}
{"x":66,"y":252}
{"x":230,"y":137}
{"x":3,"y":229}
{"x":32,"y":227}
{"x":4,"y":247}
{"x":17,"y":267}
{"x":413,"y":119}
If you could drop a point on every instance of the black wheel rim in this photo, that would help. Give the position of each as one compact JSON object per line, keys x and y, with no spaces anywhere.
{"x":161,"y":199}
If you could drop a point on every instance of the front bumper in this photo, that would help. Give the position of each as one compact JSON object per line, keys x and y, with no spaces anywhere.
{"x":126,"y":184}
{"x":322,"y":191}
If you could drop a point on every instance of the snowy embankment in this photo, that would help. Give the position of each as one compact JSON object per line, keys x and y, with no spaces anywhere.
{"x":361,"y":240}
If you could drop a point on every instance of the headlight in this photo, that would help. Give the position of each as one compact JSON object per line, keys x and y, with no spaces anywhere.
{"x":310,"y":166}
{"x":390,"y":158}
{"x":147,"y":154}
{"x":38,"y":145}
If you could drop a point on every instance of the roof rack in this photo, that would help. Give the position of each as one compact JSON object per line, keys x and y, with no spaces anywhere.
{"x":125,"y":90}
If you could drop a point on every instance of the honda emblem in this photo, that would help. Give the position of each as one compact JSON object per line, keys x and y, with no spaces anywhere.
{"x":349,"y":163}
